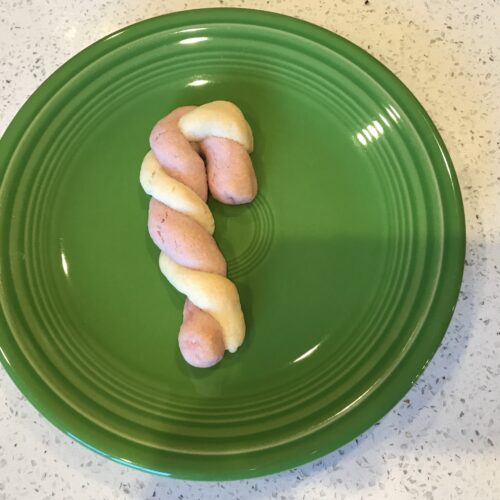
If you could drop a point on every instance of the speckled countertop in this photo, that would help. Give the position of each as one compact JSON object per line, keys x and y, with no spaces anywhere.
{"x":443,"y":440}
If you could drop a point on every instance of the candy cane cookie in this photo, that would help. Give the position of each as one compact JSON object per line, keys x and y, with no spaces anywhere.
{"x":180,"y":223}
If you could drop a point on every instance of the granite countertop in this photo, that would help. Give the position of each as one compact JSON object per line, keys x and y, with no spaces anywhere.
{"x":443,"y":439}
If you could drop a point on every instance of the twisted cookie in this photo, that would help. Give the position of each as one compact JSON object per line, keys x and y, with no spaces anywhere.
{"x":181,"y":224}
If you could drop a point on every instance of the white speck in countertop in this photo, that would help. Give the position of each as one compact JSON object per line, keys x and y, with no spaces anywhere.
{"x":443,"y":440}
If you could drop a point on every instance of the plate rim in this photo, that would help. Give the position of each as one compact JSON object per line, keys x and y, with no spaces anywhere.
{"x":23,"y":378}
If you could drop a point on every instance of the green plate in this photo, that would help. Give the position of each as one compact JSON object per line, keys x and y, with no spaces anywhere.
{"x":348,"y":263}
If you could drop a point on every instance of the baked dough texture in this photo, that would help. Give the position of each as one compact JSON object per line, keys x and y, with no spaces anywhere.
{"x":180,"y":222}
